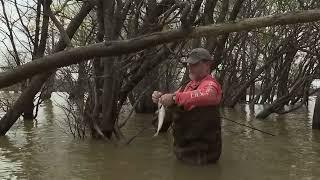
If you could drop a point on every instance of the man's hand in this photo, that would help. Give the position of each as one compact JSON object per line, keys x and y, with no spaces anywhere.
{"x":156,"y":96}
{"x":167,"y":100}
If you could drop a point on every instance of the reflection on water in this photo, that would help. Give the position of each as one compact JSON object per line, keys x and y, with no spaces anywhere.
{"x":41,"y":150}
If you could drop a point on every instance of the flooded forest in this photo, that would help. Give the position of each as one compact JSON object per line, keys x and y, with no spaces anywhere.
{"x":76,"y":79}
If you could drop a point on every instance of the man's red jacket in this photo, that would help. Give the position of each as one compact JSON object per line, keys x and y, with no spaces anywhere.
{"x":205,"y":92}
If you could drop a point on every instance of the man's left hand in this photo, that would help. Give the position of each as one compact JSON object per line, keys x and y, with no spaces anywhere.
{"x":167,"y":100}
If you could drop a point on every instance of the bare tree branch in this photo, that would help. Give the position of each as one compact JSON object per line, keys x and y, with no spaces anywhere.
{"x":16,"y":54}
{"x":63,"y":33}
{"x":114,"y":48}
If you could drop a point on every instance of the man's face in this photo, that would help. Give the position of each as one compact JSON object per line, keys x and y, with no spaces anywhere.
{"x":198,"y":70}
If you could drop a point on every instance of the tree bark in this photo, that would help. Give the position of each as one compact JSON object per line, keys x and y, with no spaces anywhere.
{"x":316,"y":113}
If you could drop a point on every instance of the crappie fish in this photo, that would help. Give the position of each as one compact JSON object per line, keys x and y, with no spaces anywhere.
{"x":161,"y":115}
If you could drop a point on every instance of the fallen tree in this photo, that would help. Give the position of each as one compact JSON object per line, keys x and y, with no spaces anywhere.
{"x":115,"y":48}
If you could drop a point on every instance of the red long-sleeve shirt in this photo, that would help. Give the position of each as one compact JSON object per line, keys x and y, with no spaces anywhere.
{"x":205,"y":92}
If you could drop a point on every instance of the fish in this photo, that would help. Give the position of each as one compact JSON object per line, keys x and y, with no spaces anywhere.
{"x":161,"y":115}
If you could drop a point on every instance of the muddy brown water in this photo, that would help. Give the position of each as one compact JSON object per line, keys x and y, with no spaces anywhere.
{"x":42,"y":150}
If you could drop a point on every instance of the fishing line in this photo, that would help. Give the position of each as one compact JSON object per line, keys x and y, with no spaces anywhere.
{"x":141,"y":131}
{"x":251,"y":127}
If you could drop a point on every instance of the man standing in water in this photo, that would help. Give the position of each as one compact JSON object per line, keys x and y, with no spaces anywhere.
{"x":195,"y":113}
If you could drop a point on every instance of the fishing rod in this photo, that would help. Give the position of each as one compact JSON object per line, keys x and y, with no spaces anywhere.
{"x":253,"y":128}
{"x":241,"y":124}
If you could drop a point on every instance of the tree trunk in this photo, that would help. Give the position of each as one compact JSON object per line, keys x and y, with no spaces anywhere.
{"x":110,"y":82}
{"x":28,"y":111}
{"x":285,"y":69}
{"x":109,"y":99}
{"x":38,"y":52}
{"x":48,"y":88}
{"x":316,"y":113}
{"x":78,"y":90}
{"x":98,"y":80}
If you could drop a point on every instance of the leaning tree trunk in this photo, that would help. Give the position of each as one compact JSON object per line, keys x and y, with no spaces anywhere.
{"x":36,"y":83}
{"x":316,"y":113}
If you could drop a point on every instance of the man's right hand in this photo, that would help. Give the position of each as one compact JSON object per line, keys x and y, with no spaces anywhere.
{"x":156,"y":96}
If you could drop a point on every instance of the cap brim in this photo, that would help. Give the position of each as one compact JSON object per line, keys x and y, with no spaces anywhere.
{"x":192,"y":60}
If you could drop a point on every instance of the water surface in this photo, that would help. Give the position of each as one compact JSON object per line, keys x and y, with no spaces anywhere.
{"x":42,"y":150}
